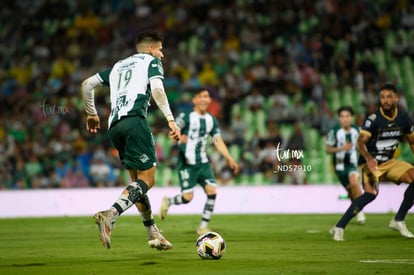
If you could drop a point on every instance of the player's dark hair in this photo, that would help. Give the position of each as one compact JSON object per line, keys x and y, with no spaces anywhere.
{"x":388,"y":86}
{"x":199,"y":91}
{"x":347,"y":109}
{"x":148,"y":36}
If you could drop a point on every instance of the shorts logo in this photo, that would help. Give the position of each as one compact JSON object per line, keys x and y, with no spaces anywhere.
{"x":143,"y":158}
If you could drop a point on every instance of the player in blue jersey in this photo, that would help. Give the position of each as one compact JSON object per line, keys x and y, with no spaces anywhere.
{"x":341,"y":143}
{"x":379,"y":138}
{"x":132,"y":81}
{"x":197,"y":126}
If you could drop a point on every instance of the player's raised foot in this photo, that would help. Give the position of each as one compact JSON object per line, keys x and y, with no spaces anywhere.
{"x":401,"y":227}
{"x":337,"y":233}
{"x":105,"y":221}
{"x":202,"y":230}
{"x":360,"y":217}
{"x":157,"y":240}
{"x":164,"y":208}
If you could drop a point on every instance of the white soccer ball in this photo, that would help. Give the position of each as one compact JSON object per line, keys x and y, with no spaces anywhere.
{"x":210,"y":246}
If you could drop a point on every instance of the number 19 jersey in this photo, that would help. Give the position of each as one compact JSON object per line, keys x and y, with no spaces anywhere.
{"x":129,"y":82}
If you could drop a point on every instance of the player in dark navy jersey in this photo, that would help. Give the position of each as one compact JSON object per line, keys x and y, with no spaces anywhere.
{"x":379,"y":138}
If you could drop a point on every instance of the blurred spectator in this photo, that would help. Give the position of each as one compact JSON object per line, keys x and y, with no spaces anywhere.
{"x":370,"y":98}
{"x":280,"y":97}
{"x":239,"y":129}
{"x":368,"y":68}
{"x":279,"y":113}
{"x":297,"y":140}
{"x":172,"y":159}
{"x":74,"y":179}
{"x":100,"y":172}
{"x":266,"y":159}
{"x":207,"y":75}
{"x":400,"y":48}
{"x":255,"y":100}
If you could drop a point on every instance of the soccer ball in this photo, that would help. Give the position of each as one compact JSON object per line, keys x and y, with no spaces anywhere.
{"x":210,"y":246}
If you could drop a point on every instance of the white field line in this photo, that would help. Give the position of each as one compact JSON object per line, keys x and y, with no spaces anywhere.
{"x":389,"y":261}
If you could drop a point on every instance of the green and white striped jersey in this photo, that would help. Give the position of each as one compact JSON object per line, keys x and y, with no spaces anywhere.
{"x":129,"y":85}
{"x":337,"y":137}
{"x":198,"y":128}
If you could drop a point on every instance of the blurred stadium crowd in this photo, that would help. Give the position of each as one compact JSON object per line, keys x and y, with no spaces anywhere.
{"x":277,"y":71}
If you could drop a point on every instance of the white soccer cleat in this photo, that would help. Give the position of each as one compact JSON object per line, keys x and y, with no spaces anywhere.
{"x":105,"y":222}
{"x":157,"y":240}
{"x":360,"y":217}
{"x":401,"y":227}
{"x":164,"y":208}
{"x":337,"y":233}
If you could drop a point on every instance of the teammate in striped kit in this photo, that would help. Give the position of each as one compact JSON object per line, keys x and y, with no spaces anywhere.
{"x":132,"y":81}
{"x":341,"y":143}
{"x":194,"y":168}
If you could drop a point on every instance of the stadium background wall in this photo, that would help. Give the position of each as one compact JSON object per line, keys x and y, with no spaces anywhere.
{"x":231,"y":200}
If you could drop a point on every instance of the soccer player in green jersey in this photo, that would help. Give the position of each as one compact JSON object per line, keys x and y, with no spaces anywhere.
{"x":382,"y":132}
{"x":341,"y":143}
{"x":132,"y":81}
{"x":194,"y":168}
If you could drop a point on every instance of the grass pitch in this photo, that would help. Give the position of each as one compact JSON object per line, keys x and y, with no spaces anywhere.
{"x":256,"y":244}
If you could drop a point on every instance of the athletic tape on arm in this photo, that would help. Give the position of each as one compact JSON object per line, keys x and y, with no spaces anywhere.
{"x":158,"y":93}
{"x":88,"y":94}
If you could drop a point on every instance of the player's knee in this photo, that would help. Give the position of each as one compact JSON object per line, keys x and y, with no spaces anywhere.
{"x":210,"y":190}
{"x":148,"y":176}
{"x":187,"y":197}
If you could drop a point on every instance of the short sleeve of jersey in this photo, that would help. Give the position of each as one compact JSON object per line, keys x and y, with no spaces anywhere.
{"x":369,"y":124}
{"x":104,"y":76}
{"x":216,"y":130}
{"x":182,"y":121}
{"x":330,"y":138}
{"x":409,"y":130}
{"x":155,"y":69}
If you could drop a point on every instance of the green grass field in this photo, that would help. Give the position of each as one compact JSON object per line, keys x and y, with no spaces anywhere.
{"x":256,"y":244}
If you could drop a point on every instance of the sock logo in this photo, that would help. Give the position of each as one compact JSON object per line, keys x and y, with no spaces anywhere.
{"x":134,"y":193}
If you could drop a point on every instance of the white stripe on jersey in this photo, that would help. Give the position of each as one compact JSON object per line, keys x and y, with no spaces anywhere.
{"x":196,"y":143}
{"x":341,"y":140}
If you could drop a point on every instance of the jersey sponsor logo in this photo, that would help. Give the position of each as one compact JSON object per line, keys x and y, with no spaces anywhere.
{"x":368,"y":123}
{"x":126,"y":66}
{"x":386,"y":145}
{"x":387,"y":134}
{"x":159,"y":66}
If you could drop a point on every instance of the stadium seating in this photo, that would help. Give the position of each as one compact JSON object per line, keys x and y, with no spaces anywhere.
{"x":193,"y":41}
